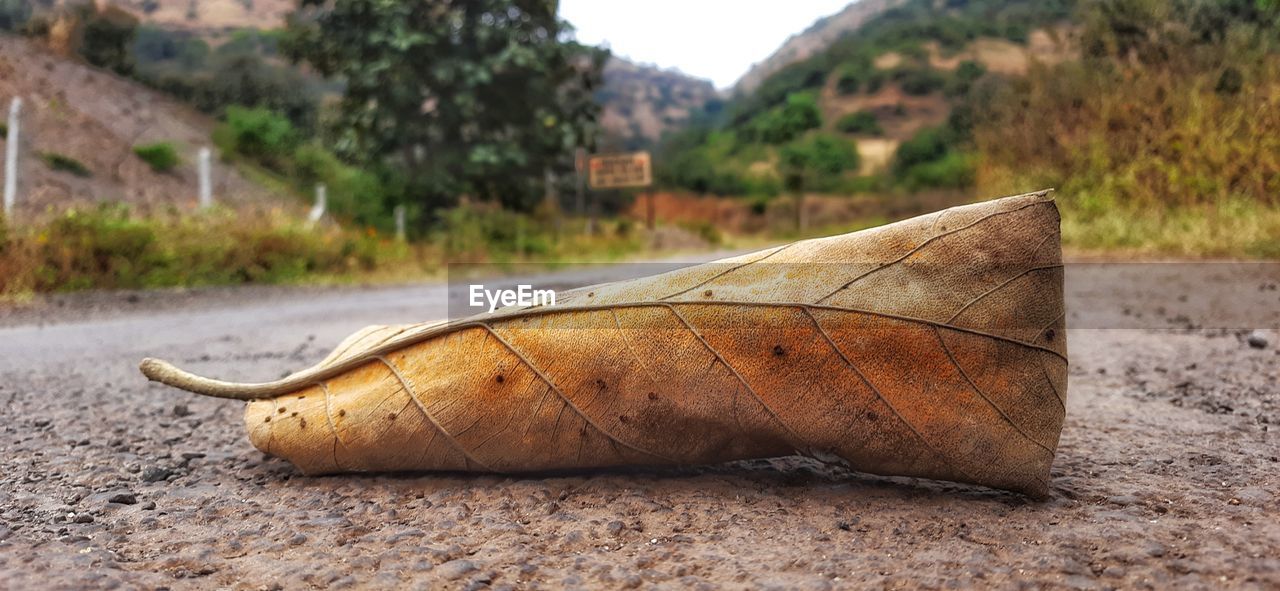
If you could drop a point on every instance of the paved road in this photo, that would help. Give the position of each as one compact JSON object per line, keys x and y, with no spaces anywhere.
{"x":1167,"y":473}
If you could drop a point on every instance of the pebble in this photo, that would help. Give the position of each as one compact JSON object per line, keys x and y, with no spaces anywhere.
{"x":1257,"y":340}
{"x":614,"y":527}
{"x":155,"y":474}
{"x":1155,"y":549}
{"x":455,"y":569}
{"x":1122,"y":500}
{"x":123,"y":498}
{"x":83,"y":518}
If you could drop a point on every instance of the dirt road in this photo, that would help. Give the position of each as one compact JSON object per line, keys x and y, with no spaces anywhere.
{"x":1168,"y":474}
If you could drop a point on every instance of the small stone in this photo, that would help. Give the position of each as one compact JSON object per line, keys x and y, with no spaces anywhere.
{"x":155,"y":474}
{"x":1257,"y":340}
{"x":83,"y":518}
{"x":1155,"y":549}
{"x":149,"y":505}
{"x":181,"y":410}
{"x":455,"y":569}
{"x":614,"y":528}
{"x":123,"y":498}
{"x":1122,"y":500}
{"x":297,"y":539}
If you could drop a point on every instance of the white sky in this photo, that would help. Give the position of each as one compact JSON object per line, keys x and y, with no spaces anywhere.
{"x":715,"y":39}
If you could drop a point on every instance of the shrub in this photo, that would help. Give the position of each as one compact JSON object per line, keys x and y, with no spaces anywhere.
{"x":161,"y":156}
{"x":65,"y":163}
{"x":107,"y":38}
{"x":919,"y":81}
{"x":260,"y":134}
{"x":954,"y":170}
{"x":926,"y":146}
{"x":862,"y":122}
{"x":705,"y":230}
{"x":817,"y":162}
{"x":782,"y":124}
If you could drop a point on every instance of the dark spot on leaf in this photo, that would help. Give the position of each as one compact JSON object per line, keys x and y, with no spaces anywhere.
{"x":293,"y":414}
{"x":653,"y":396}
{"x":280,"y":410}
{"x":342,"y":413}
{"x":266,"y":419}
{"x":1049,"y":334}
{"x":779,"y":351}
{"x":500,"y":379}
{"x":591,"y":294}
{"x":600,"y":384}
{"x":623,"y":418}
{"x":707,"y":293}
{"x":391,"y":417}
{"x":303,"y":397}
{"x":302,"y":423}
{"x":872,"y":416}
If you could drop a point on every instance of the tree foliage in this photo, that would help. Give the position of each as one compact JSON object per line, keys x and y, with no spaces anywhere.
{"x":478,"y":97}
{"x":786,"y":122}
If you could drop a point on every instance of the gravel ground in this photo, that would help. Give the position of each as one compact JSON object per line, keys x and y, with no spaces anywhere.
{"x":1167,"y":476}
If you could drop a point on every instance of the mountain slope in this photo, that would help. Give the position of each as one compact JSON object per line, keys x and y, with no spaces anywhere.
{"x":814,"y":40}
{"x":73,"y":113}
{"x":643,"y":102}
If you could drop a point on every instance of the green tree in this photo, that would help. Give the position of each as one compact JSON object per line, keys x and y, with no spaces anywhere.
{"x":784,"y":123}
{"x":478,"y":97}
{"x":862,"y":122}
{"x":811,"y":161}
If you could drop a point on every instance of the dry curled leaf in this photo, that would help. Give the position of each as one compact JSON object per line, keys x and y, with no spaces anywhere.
{"x":932,"y":347}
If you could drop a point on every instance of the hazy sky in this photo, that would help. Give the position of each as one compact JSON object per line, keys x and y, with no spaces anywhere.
{"x":715,"y":39}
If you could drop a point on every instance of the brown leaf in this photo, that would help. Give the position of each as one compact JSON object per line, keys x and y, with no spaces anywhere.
{"x":932,"y":347}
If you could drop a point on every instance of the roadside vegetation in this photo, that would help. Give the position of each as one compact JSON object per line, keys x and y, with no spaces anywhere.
{"x":110,"y":247}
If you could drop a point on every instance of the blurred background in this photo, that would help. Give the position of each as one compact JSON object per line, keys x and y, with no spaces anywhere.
{"x":156,"y":143}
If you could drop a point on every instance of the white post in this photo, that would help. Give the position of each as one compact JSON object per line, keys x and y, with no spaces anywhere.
{"x":206,"y":186}
{"x":11,"y":157}
{"x":322,"y":203}
{"x":400,"y":235}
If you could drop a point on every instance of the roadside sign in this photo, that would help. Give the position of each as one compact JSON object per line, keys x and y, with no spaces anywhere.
{"x":613,"y":171}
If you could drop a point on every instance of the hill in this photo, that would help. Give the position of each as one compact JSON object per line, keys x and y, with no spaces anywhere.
{"x":80,"y":126}
{"x":871,"y":89}
{"x":817,"y":38}
{"x":642,"y":102}
{"x":1156,"y":121}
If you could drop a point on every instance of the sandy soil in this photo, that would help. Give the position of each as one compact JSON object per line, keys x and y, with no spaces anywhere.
{"x":1167,"y":475}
